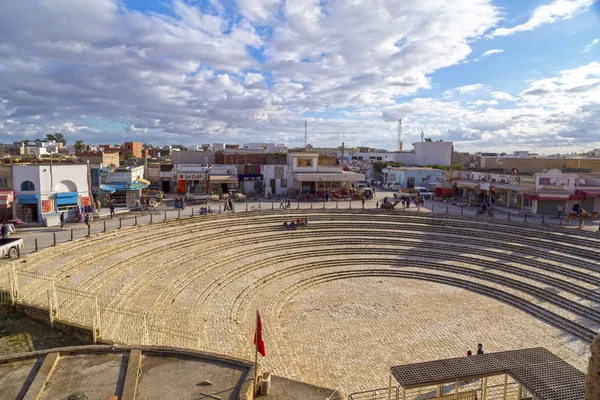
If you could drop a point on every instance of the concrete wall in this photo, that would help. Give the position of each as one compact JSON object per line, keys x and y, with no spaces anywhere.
{"x":6,"y":177}
{"x":533,"y":165}
{"x":193,"y":157}
{"x":433,"y":153}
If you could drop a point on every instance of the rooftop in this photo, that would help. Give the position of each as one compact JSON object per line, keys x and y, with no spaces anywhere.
{"x":541,"y":372}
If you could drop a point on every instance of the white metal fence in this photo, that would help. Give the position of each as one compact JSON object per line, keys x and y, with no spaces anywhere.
{"x":73,"y":306}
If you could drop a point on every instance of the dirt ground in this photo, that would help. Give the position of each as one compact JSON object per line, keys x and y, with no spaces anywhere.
{"x":21,"y":334}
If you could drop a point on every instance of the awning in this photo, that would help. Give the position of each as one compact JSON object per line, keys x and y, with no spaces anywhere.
{"x":137,"y":186}
{"x":589,"y":192}
{"x":531,"y":196}
{"x":28,"y":198}
{"x":467,"y":184}
{"x":6,"y":197}
{"x":119,"y":185}
{"x":577,"y":197}
{"x":514,"y":188}
{"x":108,"y":188}
{"x":555,"y":196}
{"x":69,"y":198}
{"x":329,"y":177}
{"x":223,"y":178}
{"x":140,"y":180}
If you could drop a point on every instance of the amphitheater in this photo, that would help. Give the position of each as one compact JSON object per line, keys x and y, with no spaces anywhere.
{"x":341,"y":300}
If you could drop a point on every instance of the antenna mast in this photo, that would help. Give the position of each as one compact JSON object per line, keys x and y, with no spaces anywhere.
{"x":399,"y":139}
{"x":422,"y":135}
{"x":305,"y":134}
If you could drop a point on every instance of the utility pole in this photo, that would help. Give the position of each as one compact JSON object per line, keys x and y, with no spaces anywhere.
{"x":305,"y":134}
{"x":342,"y":154}
{"x":399,"y":139}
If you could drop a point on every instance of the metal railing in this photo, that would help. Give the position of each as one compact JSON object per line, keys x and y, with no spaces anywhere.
{"x":375,"y":394}
{"x":73,"y":306}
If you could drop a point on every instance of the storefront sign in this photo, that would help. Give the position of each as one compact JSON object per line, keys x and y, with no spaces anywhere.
{"x":192,"y":176}
{"x":85,"y":201}
{"x":250,"y":177}
{"x":46,"y":206}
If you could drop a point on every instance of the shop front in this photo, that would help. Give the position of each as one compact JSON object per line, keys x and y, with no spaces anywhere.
{"x":220,"y":184}
{"x":250,"y":183}
{"x":185,"y":180}
{"x":510,"y":195}
{"x":469,"y":189}
{"x":27,"y":207}
{"x":6,"y":199}
{"x":591,"y":197}
{"x":320,"y":183}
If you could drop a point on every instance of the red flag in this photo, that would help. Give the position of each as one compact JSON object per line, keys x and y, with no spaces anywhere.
{"x":260,"y":345}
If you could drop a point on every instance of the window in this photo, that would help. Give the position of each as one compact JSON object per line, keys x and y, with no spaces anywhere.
{"x":305,"y":162}
{"x":27,"y":186}
{"x":3,"y":182}
{"x":66,"y":208}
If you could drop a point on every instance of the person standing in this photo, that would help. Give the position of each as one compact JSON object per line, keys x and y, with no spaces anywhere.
{"x":3,"y":231}
{"x":480,"y":349}
{"x":327,"y":196}
{"x":281,"y":204}
{"x":111,"y":207}
{"x":559,"y":211}
{"x":289,"y":202}
{"x":230,"y":202}
{"x":363,"y":202}
{"x":62,"y":220}
{"x":87,"y":219}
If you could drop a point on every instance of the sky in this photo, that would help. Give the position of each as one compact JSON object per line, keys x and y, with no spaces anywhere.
{"x":489,"y":75}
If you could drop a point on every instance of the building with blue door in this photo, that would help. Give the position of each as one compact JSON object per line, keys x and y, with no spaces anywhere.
{"x":44,"y":191}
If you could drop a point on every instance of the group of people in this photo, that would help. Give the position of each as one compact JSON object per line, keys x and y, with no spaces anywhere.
{"x":229,"y":205}
{"x":179,"y":203}
{"x":287,"y":203}
{"x":479,"y":350}
{"x":6,"y":229}
{"x":298,"y":222}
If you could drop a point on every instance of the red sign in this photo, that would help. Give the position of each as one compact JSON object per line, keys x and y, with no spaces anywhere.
{"x":46,"y":206}
{"x":85,"y":201}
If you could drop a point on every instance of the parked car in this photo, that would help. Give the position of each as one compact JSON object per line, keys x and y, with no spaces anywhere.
{"x":11,"y":248}
{"x":17,"y":222}
{"x":424,"y":192}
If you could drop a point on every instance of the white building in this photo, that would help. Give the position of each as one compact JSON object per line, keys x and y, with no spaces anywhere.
{"x":267,"y":147}
{"x":424,"y":153}
{"x":125,"y":185}
{"x":310,"y":178}
{"x":42,"y":192}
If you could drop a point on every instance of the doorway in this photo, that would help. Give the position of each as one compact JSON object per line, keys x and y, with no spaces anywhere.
{"x":166,"y":186}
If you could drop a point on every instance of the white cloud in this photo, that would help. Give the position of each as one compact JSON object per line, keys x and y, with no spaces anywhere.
{"x":589,"y":46}
{"x":502,"y":96}
{"x":492,"y":51}
{"x":548,"y":13}
{"x":463,"y":89}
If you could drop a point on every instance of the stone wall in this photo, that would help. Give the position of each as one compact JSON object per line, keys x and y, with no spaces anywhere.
{"x":592,"y":388}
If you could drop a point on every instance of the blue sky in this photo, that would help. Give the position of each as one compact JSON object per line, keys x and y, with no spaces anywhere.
{"x":489,"y":75}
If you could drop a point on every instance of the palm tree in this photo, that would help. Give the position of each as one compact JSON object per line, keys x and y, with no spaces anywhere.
{"x":79,"y":145}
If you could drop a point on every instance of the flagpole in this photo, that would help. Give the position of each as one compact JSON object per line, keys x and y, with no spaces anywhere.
{"x":255,"y":354}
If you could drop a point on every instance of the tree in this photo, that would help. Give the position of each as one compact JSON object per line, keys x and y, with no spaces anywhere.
{"x":130,"y":155}
{"x":50,"y":136}
{"x":79,"y":145}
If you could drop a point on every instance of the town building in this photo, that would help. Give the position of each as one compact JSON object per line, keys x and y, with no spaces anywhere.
{"x":7,"y":194}
{"x":107,"y":157}
{"x":132,"y":149}
{"x":533,"y":164}
{"x":125,"y":185}
{"x":43,"y":191}
{"x":311,"y":177}
{"x":411,"y":177}
{"x":423,"y":153}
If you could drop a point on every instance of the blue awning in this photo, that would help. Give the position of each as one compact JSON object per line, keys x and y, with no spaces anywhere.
{"x":137,"y":186}
{"x":28,"y":198}
{"x":119,"y":185}
{"x":108,"y":188}
{"x":69,"y":198}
